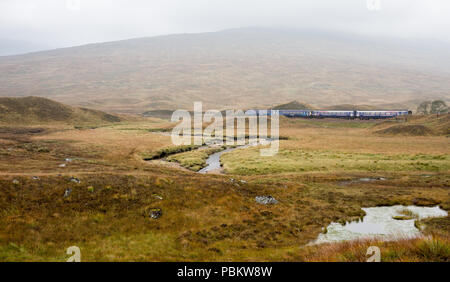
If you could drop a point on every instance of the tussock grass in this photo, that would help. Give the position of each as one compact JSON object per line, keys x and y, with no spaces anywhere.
{"x":210,"y":217}
{"x":434,"y":249}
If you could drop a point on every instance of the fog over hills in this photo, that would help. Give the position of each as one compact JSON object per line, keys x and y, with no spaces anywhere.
{"x":239,"y":68}
{"x":10,"y":47}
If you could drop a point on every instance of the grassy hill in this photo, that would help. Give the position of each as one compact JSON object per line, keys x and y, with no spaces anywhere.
{"x":36,"y":110}
{"x":238,"y":68}
{"x":416,"y":126}
{"x":294,"y":105}
{"x":351,"y":107}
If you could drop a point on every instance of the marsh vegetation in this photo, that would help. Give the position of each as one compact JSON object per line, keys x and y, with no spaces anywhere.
{"x":124,"y":208}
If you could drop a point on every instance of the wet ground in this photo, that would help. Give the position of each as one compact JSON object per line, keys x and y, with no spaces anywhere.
{"x":379,"y":223}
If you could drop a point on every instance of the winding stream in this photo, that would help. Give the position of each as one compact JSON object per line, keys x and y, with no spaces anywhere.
{"x":213,"y":161}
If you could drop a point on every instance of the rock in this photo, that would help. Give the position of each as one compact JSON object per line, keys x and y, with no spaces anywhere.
{"x":62,"y":165}
{"x":67,"y":192}
{"x":15,"y":181}
{"x":35,"y":177}
{"x":365,"y":179}
{"x":243,"y":181}
{"x":266,"y":200}
{"x":74,"y":179}
{"x":68,"y":160}
{"x":154,"y":213}
{"x":157,"y":196}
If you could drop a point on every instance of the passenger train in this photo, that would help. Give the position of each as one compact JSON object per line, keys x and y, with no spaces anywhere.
{"x":338,"y":114}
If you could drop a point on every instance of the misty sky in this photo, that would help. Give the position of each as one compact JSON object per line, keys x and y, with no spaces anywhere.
{"x":58,"y":23}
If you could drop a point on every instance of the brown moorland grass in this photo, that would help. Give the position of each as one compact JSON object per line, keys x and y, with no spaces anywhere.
{"x":206,"y":217}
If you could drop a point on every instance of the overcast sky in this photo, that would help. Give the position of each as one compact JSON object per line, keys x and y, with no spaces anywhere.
{"x":57,"y":23}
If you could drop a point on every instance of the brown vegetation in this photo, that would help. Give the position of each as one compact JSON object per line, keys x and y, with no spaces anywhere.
{"x":210,"y":217}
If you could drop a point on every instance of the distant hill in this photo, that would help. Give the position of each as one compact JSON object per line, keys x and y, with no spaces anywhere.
{"x":164,"y":114}
{"x":353,"y":107}
{"x":294,"y":105}
{"x":36,"y":110}
{"x":237,"y":68}
{"x":416,"y":126}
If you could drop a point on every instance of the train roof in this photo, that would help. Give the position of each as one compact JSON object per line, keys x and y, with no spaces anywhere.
{"x":342,"y":110}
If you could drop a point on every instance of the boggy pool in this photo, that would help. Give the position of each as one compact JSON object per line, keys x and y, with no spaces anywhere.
{"x":379,"y":223}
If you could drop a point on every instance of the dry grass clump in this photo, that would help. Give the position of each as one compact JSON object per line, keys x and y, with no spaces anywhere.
{"x":427,"y":249}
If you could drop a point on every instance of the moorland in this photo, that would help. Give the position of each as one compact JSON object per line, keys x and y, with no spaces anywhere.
{"x":77,"y":177}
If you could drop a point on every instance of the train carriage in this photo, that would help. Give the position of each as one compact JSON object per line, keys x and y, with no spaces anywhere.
{"x":337,"y":114}
{"x":333,"y":114}
{"x":379,"y":114}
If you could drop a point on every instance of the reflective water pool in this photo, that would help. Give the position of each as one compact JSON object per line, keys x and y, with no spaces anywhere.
{"x":379,"y":223}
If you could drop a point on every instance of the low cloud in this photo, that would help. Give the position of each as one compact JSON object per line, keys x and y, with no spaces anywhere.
{"x":65,"y":23}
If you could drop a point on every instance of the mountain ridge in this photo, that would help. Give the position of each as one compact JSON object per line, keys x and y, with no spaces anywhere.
{"x":237,"y":68}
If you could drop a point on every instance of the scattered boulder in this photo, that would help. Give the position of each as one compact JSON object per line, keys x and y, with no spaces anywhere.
{"x":68,"y":160}
{"x":67,"y":192}
{"x":157,"y":196}
{"x":74,"y":179}
{"x":266,"y":200}
{"x":154,"y":213}
{"x":35,"y":177}
{"x":15,"y":181}
{"x":62,"y":165}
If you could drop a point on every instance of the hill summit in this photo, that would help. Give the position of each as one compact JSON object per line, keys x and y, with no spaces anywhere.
{"x":294,"y":105}
{"x":37,"y":110}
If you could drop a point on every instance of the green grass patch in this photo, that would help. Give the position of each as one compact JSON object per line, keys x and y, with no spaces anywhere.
{"x":249,"y":161}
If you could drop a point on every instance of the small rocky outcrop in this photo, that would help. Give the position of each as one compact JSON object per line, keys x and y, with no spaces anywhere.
{"x":154,"y":213}
{"x":266,"y":200}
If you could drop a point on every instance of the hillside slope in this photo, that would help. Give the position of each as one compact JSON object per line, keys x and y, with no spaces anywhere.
{"x":238,"y":68}
{"x":416,"y":126}
{"x":36,"y":110}
{"x":294,"y":105}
